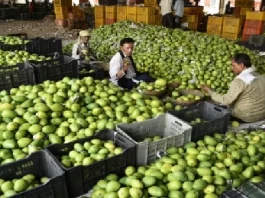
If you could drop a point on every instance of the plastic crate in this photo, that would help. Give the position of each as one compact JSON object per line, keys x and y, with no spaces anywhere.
{"x":214,"y":29}
{"x":108,"y":2}
{"x":148,"y":19}
{"x":110,"y":21}
{"x":131,"y":10}
{"x":215,"y":20}
{"x":98,"y":72}
{"x":190,"y":19}
{"x":232,"y":25}
{"x":46,"y":46}
{"x":174,"y":131}
{"x":110,"y":15}
{"x":62,"y":2}
{"x":150,"y":2}
{"x":7,"y":47}
{"x":230,"y":36}
{"x":217,"y":119}
{"x":60,"y":9}
{"x":253,"y":190}
{"x":111,"y":9}
{"x":12,"y":77}
{"x":55,"y":70}
{"x":40,"y":164}
{"x":131,"y":17}
{"x":80,"y":179}
{"x":257,"y":40}
{"x":255,"y":15}
{"x":188,"y":10}
{"x":146,"y":11}
{"x":100,"y":21}
{"x":99,"y":9}
{"x":233,"y":194}
{"x":193,"y":26}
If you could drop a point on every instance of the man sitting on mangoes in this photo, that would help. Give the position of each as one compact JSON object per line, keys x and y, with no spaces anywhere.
{"x":246,"y":94}
{"x":123,"y":71}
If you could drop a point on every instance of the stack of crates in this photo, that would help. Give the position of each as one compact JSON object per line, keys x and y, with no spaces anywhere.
{"x":158,"y":16}
{"x":131,"y":12}
{"x":192,"y":21}
{"x":232,"y":27}
{"x":61,"y":11}
{"x":150,"y":3}
{"x":215,"y":25}
{"x":110,"y":14}
{"x":242,"y":6}
{"x":254,"y":24}
{"x":99,"y":16}
{"x":146,"y":15}
{"x":78,"y":12}
{"x":121,"y":13}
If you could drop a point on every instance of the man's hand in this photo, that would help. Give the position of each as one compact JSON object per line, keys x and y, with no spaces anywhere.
{"x":125,"y":66}
{"x":206,"y":88}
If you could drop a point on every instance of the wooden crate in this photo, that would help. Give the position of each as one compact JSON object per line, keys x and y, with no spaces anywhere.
{"x":148,"y":19}
{"x":62,"y":3}
{"x":111,"y":9}
{"x":132,"y":17}
{"x":255,"y":16}
{"x":131,"y":10}
{"x":215,"y":20}
{"x":230,"y":36}
{"x":146,"y":11}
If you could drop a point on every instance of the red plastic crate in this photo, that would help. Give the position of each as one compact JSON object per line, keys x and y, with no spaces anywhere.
{"x":246,"y":37}
{"x":254,"y":24}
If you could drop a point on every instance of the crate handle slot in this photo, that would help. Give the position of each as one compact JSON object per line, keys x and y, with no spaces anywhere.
{"x":160,"y":153}
{"x":178,"y":123}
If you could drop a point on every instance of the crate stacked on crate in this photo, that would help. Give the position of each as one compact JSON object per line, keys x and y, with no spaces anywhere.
{"x":244,"y":3}
{"x":61,"y":11}
{"x":192,"y":21}
{"x":215,"y":25}
{"x":232,"y":27}
{"x":99,"y":16}
{"x":146,"y":15}
{"x":121,"y":13}
{"x":110,"y":14}
{"x":151,"y":3}
{"x":80,"y":179}
{"x":254,"y":24}
{"x":131,"y":12}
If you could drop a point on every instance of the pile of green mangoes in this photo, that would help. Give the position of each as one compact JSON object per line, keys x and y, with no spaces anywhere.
{"x":158,"y":85}
{"x":90,"y":152}
{"x":8,"y":58}
{"x":190,"y":58}
{"x":197,"y":121}
{"x":205,"y":168}
{"x":176,"y":95}
{"x":12,"y":40}
{"x":27,"y":182}
{"x":33,"y":117}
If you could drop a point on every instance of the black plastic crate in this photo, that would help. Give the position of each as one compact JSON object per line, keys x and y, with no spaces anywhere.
{"x":8,"y":47}
{"x":55,"y":69}
{"x":98,"y":72}
{"x":108,"y":2}
{"x":46,"y":46}
{"x":12,"y":77}
{"x":233,"y":194}
{"x":40,"y":164}
{"x":81,"y":179}
{"x":253,"y":190}
{"x":217,"y":119}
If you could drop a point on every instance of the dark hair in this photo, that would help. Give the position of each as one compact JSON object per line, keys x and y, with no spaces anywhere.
{"x":242,"y":58}
{"x":126,"y":40}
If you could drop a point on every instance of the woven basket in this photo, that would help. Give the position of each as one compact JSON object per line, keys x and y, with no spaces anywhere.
{"x":185,"y":92}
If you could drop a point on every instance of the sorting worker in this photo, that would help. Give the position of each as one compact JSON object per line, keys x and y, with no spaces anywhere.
{"x":80,"y":49}
{"x":123,"y":71}
{"x":246,"y":95}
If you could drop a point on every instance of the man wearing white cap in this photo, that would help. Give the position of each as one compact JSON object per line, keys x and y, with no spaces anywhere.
{"x":81,"y":48}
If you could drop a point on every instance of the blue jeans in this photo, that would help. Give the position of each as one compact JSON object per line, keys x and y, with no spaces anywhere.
{"x":129,"y":84}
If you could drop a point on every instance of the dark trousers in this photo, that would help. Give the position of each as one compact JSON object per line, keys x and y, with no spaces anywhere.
{"x":129,"y":84}
{"x":177,"y":21}
{"x":168,"y":20}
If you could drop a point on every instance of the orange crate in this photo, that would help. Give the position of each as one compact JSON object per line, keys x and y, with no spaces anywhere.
{"x":255,"y":16}
{"x":246,"y":37}
{"x":131,"y":10}
{"x":230,"y":36}
{"x":61,"y":16}
{"x":112,"y":9}
{"x":146,"y":10}
{"x":62,"y":3}
{"x":110,"y":15}
{"x":132,"y":17}
{"x":60,"y":9}
{"x":215,"y":20}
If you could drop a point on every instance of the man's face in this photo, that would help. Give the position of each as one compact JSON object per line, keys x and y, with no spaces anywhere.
{"x":127,"y":49}
{"x":237,"y":68}
{"x":84,"y":39}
